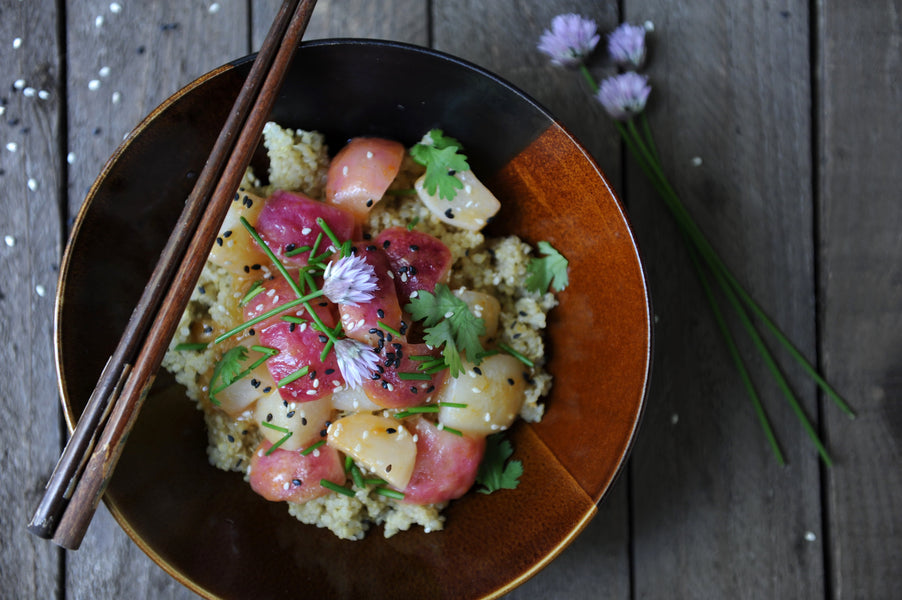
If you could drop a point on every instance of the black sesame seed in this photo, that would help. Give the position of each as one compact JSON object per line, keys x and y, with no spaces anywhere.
{"x":510,"y":381}
{"x":516,"y":336}
{"x":403,"y":328}
{"x":267,"y":389}
{"x":269,"y":417}
{"x":412,"y":271}
{"x":380,"y":313}
{"x":296,"y":482}
{"x":219,"y":241}
{"x":413,"y":389}
{"x":449,"y":213}
{"x":98,"y":131}
{"x":430,"y":389}
{"x":290,"y":414}
{"x":388,"y":469}
{"x":303,"y":420}
{"x":374,"y":376}
{"x":477,"y":370}
{"x":247,"y":269}
{"x":371,"y":248}
{"x":367,"y":236}
{"x":373,"y":330}
{"x":369,"y":202}
{"x":290,"y":247}
{"x":237,"y":196}
{"x":231,"y":438}
{"x":391,"y":430}
{"x":255,"y":267}
{"x":292,"y":327}
{"x":386,"y":244}
{"x":329,"y":371}
{"x":141,"y":50}
{"x":384,"y":385}
{"x":251,"y":332}
{"x":201,"y":289}
{"x":255,"y":383}
{"x":285,"y":403}
{"x":522,"y":313}
{"x":226,"y":234}
{"x":414,"y":248}
{"x":323,"y":338}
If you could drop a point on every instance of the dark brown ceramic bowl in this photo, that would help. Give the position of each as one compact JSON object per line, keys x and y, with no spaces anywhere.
{"x":206,"y":527}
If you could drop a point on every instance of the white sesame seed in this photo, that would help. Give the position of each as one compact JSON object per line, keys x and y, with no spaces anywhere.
{"x":19,"y":84}
{"x":416,"y":438}
{"x":315,"y":383}
{"x":93,"y":84}
{"x":696,"y":161}
{"x":468,"y":189}
{"x":809,"y":536}
{"x":344,"y":170}
{"x":449,"y":314}
{"x":40,"y":290}
{"x":364,"y":435}
{"x":10,"y":240}
{"x":214,"y":8}
{"x":649,"y":26}
{"x":311,"y":392}
{"x":43,"y":94}
{"x":369,"y":154}
{"x":674,"y":419}
{"x":286,"y":485}
{"x":104,"y":72}
{"x":116,"y":97}
{"x":2,"y":109}
{"x":115,"y":7}
{"x":440,"y":427}
{"x":29,"y":92}
{"x":12,"y":146}
{"x":32,"y":184}
{"x":358,"y":448}
{"x":98,"y":21}
{"x":316,"y":453}
{"x":306,"y":231}
{"x":487,"y":417}
{"x":17,"y":43}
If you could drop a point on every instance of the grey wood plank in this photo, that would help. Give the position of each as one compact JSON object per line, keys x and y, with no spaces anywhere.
{"x":29,"y":263}
{"x":502,"y":37}
{"x":398,"y":20}
{"x":714,"y":514}
{"x":859,"y":70}
{"x":137,"y":57}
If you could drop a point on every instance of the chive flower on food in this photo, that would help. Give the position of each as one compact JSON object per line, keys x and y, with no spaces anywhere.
{"x":356,"y":361}
{"x":626,"y":46}
{"x":349,"y":280}
{"x":570,"y":40}
{"x":624,"y":96}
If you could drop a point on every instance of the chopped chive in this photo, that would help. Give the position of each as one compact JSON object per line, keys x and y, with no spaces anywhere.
{"x":357,"y":476}
{"x":401,"y":192}
{"x":421,"y":357}
{"x":517,"y":355}
{"x":294,"y":376}
{"x":313,"y":447}
{"x":348,"y":462}
{"x":297,"y":251}
{"x":456,"y":432}
{"x":336,"y":488}
{"x":282,"y":440}
{"x":416,"y":410}
{"x":265,"y":350}
{"x":453,"y":404}
{"x":187,"y":347}
{"x":255,"y":290}
{"x":295,"y":320}
{"x":326,"y":349}
{"x":413,"y":223}
{"x":375,"y":481}
{"x":316,"y":243}
{"x":266,"y":315}
{"x":390,"y":493}
{"x":328,"y":231}
{"x":391,"y":330}
{"x":415,"y":376}
{"x":269,"y":254}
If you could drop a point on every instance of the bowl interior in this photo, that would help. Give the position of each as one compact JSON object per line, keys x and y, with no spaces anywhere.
{"x":207,"y":527}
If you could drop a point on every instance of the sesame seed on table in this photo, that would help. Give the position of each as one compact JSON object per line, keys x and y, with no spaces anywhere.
{"x":779,"y":127}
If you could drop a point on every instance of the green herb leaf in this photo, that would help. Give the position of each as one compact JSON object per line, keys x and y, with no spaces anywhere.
{"x":442,"y":159}
{"x":549,"y":272}
{"x":450,"y":324}
{"x":496,"y":472}
{"x":227,"y":370}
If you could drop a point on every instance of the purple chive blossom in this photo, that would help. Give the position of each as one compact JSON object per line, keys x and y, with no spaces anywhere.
{"x":571,"y":39}
{"x":349,"y":280}
{"x":626,"y":45}
{"x":624,"y":95}
{"x":356,"y":361}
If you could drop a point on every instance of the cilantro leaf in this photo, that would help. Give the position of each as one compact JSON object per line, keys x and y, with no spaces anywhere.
{"x":547,"y":273}
{"x":442,"y":159}
{"x":227,"y":370}
{"x":496,"y":472}
{"x":448,"y":322}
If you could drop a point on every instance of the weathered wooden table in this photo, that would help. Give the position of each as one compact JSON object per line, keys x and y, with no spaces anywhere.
{"x":778,"y":122}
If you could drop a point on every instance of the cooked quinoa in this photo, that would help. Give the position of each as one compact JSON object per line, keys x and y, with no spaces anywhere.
{"x":298,"y":162}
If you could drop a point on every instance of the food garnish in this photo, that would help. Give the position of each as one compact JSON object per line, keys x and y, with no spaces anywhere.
{"x":549,"y":272}
{"x":441,"y":156}
{"x":496,"y":472}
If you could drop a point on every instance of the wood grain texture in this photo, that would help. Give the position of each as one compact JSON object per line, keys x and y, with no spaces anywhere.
{"x":714,"y":514}
{"x":502,"y":37}
{"x":859,"y":70}
{"x":150,"y":50}
{"x":29,"y":263}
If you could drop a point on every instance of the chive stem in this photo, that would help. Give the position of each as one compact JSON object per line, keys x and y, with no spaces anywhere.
{"x":313,"y":448}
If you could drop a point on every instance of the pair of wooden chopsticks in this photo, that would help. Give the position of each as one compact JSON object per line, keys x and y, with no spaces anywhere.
{"x":87,"y":462}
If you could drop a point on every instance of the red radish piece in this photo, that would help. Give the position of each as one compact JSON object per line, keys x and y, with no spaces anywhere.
{"x":277,"y":292}
{"x":288,"y":475}
{"x":446,"y":465}
{"x":288,"y":222}
{"x":360,"y":322}
{"x":300,"y":346}
{"x":419,"y":261}
{"x":390,"y":390}
{"x":361,"y":172}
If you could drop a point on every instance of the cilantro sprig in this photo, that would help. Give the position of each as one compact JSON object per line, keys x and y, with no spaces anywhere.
{"x":449,"y":324}
{"x":231,"y":367}
{"x":496,"y":471}
{"x":442,"y":159}
{"x":548,"y":272}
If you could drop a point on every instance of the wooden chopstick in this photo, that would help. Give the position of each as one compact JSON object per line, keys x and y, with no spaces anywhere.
{"x":73,"y":492}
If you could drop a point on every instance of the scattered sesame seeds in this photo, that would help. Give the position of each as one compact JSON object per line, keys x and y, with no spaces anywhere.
{"x":17,"y":43}
{"x":115,"y":7}
{"x":116,"y":97}
{"x":104,"y":72}
{"x":98,"y":21}
{"x":10,"y":240}
{"x":40,"y":290}
{"x":32,"y":184}
{"x":810,"y":537}
{"x":19,"y":84}
{"x":214,"y":8}
{"x":94,"y":84}
{"x":43,"y":94}
{"x":12,"y":146}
